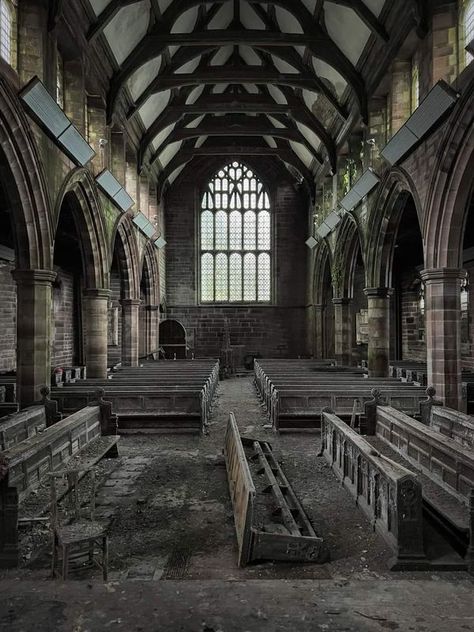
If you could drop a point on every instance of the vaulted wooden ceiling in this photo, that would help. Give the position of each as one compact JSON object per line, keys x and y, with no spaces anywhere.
{"x":281,"y":78}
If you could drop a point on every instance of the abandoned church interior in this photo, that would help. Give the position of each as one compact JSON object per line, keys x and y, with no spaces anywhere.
{"x":236,"y":315}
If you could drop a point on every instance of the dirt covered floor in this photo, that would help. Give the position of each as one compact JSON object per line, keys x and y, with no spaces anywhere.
{"x":167,"y":503}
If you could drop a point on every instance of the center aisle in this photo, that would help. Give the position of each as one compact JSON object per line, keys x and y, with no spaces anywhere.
{"x":175,"y":518}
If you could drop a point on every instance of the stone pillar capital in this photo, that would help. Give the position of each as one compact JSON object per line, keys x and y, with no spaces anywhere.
{"x":97,"y":292}
{"x":130,"y":302}
{"x":440,"y":275}
{"x":378,"y":292}
{"x":344,"y":300}
{"x":34,"y":277}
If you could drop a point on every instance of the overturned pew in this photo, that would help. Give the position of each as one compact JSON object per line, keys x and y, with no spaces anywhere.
{"x":284,"y":533}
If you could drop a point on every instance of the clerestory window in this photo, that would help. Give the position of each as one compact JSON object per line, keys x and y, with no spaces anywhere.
{"x":6,"y":28}
{"x":235,"y":238}
{"x":468,"y":27}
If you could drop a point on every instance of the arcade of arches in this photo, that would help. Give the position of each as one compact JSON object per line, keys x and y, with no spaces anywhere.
{"x":236,"y":127}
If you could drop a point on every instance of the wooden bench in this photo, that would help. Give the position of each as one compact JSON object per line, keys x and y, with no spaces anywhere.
{"x":144,"y":408}
{"x":389,"y":494}
{"x":84,"y":437}
{"x":293,"y":409}
{"x":293,"y":538}
{"x":454,"y":424}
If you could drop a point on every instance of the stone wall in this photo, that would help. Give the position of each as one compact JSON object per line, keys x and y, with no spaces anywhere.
{"x":7,"y":317}
{"x":64,"y":322}
{"x":276,"y":330}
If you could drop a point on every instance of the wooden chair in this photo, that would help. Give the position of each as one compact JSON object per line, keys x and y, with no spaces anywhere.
{"x":75,"y":533}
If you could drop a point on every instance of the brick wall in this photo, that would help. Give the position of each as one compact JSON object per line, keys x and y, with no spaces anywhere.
{"x":277,"y":330}
{"x":7,"y":317}
{"x":63,"y":320}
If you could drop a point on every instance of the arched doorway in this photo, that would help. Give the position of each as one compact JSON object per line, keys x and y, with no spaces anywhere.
{"x":173,"y":339}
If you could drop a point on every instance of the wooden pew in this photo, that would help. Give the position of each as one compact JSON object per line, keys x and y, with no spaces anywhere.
{"x":293,"y":409}
{"x":87,"y":435}
{"x":389,"y":494}
{"x":295,"y":540}
{"x":453,"y":424}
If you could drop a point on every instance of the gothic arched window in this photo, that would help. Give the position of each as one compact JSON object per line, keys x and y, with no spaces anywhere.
{"x":6,"y":20}
{"x":468,"y":26}
{"x":235,"y":238}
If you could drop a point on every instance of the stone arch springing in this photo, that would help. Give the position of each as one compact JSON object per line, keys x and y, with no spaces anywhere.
{"x":25,"y":184}
{"x":79,"y":193}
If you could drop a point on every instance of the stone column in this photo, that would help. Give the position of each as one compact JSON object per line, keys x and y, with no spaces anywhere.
{"x":152,"y":323}
{"x":318,"y":342}
{"x":343,"y":330}
{"x":130,"y":320}
{"x":34,"y":301}
{"x":96,"y":331}
{"x":378,"y":307}
{"x":443,"y":332}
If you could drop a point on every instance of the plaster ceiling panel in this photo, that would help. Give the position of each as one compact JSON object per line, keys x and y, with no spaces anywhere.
{"x":189,"y":66}
{"x":275,"y":122}
{"x":310,"y":99}
{"x":310,"y":5}
{"x":200,"y":141}
{"x":325,"y":71}
{"x":194,"y":95}
{"x":249,"y":18}
{"x":283,"y":66}
{"x":164,"y":4}
{"x":375,"y":6}
{"x":172,"y":50}
{"x":277,"y":94}
{"x":223,"y":17}
{"x":221,"y":56}
{"x":127,"y":28}
{"x":302,"y":153}
{"x":169,"y":152}
{"x":287,"y":21}
{"x":153,"y":107}
{"x":186,"y":21}
{"x":347,"y":30}
{"x":270,"y":141}
{"x":251,"y":88}
{"x":157,"y":141}
{"x":99,"y":5}
{"x":197,"y":121}
{"x":310,"y":136}
{"x":219,"y":88}
{"x":249,"y":56}
{"x":176,"y":173}
{"x":141,"y":79}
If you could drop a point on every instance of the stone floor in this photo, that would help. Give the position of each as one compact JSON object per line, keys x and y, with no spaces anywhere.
{"x":170,"y":517}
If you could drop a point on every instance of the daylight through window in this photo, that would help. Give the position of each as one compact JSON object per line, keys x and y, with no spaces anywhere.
{"x":235,"y":238}
{"x":5,"y":31}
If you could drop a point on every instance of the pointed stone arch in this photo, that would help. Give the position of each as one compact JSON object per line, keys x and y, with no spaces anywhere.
{"x":128,"y":256}
{"x":79,"y":191}
{"x":349,"y":243}
{"x":384,"y":221}
{"x":451,"y":188}
{"x":25,"y":184}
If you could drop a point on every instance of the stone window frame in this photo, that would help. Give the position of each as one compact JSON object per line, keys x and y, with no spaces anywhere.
{"x":229,"y":250}
{"x":466,"y":31}
{"x":6,"y":31}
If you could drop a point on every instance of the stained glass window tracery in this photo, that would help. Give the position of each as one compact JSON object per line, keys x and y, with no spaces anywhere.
{"x":235,"y":238}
